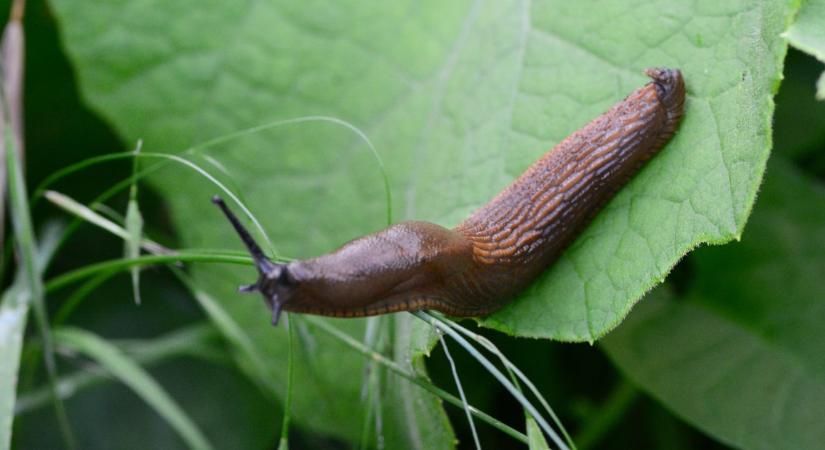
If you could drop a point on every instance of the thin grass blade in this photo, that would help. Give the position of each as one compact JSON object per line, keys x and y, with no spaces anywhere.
{"x":84,"y":212}
{"x":460,"y":391}
{"x":512,"y":369}
{"x":422,"y":383}
{"x":194,"y":341}
{"x":131,"y":374}
{"x":27,"y":255}
{"x":507,"y":384}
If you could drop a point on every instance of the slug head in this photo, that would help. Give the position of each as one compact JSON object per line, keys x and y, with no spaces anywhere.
{"x":274,"y":282}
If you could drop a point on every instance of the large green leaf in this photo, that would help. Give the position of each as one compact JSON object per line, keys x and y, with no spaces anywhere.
{"x":699,"y":189}
{"x":740,"y":355}
{"x":459,"y":98}
{"x":808,"y":34}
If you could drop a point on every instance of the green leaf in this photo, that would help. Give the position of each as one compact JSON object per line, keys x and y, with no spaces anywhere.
{"x":740,"y":355}
{"x":459,"y":97}
{"x":702,"y":185}
{"x":808,"y":34}
{"x":131,"y":374}
{"x":451,"y":95}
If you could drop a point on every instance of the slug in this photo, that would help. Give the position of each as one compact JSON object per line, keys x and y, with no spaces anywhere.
{"x":484,"y":262}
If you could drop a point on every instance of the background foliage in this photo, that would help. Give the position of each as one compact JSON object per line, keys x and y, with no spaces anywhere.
{"x":450,"y":95}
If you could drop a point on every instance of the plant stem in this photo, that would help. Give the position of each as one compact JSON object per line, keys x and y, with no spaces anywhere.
{"x":124,"y":264}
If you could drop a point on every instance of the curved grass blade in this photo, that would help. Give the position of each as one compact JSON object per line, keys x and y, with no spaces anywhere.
{"x":66,"y":171}
{"x":190,"y":341}
{"x":230,"y":329}
{"x":31,"y":273}
{"x":460,"y":391}
{"x":171,"y":158}
{"x":334,"y":120}
{"x":14,"y":308}
{"x":511,"y":368}
{"x":412,"y":378}
{"x":131,"y":374}
{"x":124,"y":264}
{"x":84,"y":212}
{"x":432,"y":321}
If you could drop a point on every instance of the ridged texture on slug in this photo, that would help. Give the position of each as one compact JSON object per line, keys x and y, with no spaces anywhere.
{"x":524,"y":228}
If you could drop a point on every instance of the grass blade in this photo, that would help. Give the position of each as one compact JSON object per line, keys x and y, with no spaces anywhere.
{"x":512,"y":369}
{"x":347,"y":340}
{"x":81,"y":273}
{"x":13,"y":312}
{"x":460,"y":391}
{"x":131,"y":374}
{"x":284,"y":442}
{"x":84,"y":212}
{"x":14,"y":308}
{"x":27,"y":253}
{"x":222,"y":320}
{"x":13,"y":55}
{"x":435,"y":323}
{"x":190,"y":341}
{"x":234,"y":334}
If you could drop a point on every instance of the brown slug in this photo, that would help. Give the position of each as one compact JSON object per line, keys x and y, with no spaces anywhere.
{"x":485,"y":261}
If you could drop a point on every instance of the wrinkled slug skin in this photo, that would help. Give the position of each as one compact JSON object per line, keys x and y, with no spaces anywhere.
{"x":490,"y":257}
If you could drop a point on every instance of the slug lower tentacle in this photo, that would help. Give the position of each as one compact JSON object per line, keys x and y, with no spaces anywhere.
{"x":485,"y":261}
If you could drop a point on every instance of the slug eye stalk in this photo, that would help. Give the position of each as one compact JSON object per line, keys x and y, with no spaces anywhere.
{"x":272,"y":275}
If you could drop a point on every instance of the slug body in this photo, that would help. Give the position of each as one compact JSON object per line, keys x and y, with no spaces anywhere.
{"x":485,"y":261}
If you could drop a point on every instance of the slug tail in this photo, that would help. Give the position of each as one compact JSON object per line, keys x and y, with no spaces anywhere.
{"x":670,"y":88}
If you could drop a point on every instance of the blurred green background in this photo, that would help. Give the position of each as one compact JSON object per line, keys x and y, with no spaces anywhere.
{"x":581,"y":381}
